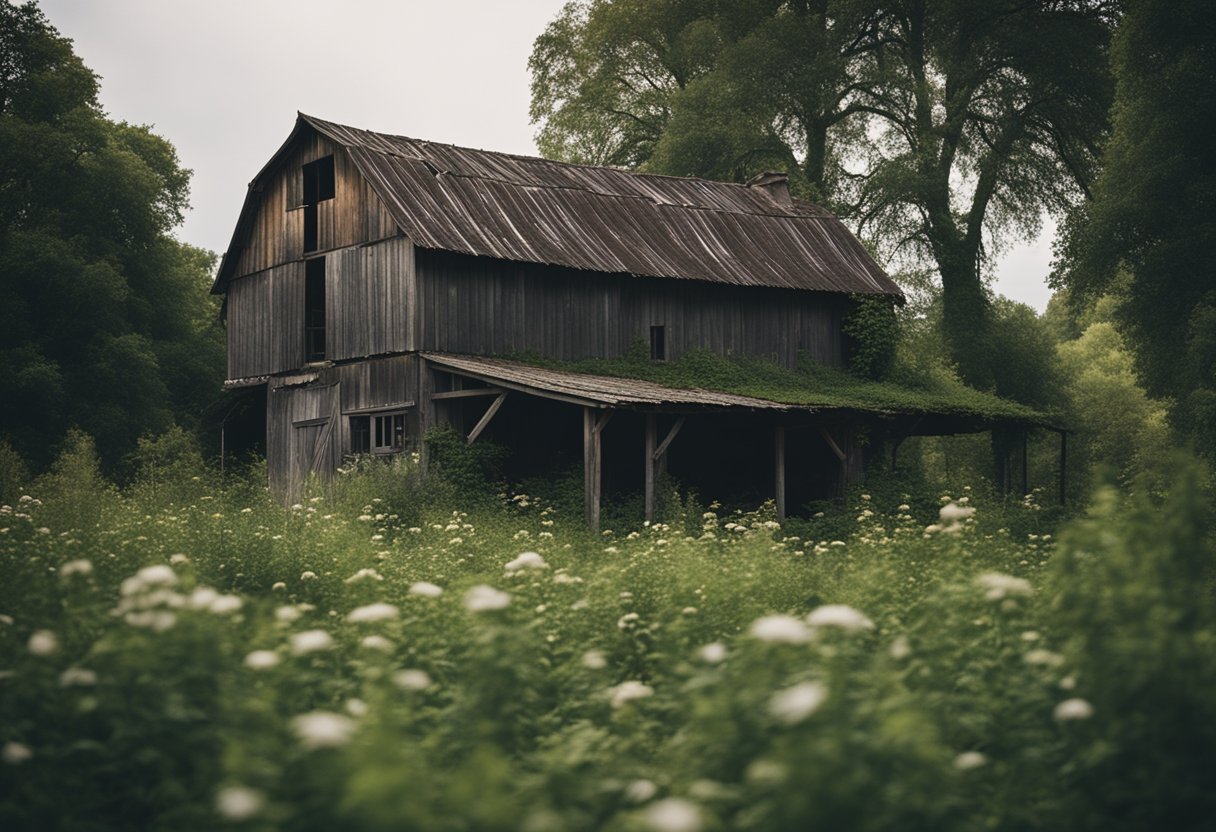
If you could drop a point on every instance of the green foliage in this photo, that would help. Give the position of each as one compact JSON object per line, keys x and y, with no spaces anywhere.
{"x":161,"y":656}
{"x":809,"y":384}
{"x":471,"y":468}
{"x":1148,"y":235}
{"x":872,"y":329}
{"x":934,"y":126}
{"x":13,"y":473}
{"x":106,"y":323}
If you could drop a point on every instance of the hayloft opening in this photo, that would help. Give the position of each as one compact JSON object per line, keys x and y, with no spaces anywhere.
{"x":658,"y":343}
{"x":314,"y":309}
{"x":318,"y":187}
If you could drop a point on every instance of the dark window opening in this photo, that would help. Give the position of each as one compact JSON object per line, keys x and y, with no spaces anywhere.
{"x":314,"y":309}
{"x":318,"y":186}
{"x":658,"y":343}
{"x":377,"y":434}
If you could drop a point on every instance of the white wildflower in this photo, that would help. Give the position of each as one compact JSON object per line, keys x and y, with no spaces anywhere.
{"x":969,"y":760}
{"x":238,"y":803}
{"x":712,"y":653}
{"x":1073,"y":709}
{"x":308,"y":575}
{"x":202,"y":598}
{"x":372,"y":612}
{"x":15,"y":753}
{"x":310,"y":641}
{"x":365,"y":574}
{"x":839,"y":615}
{"x":157,"y":575}
{"x":766,"y":773}
{"x":287,"y":614}
{"x":77,"y":677}
{"x":954,"y":513}
{"x":782,"y":629}
{"x":356,"y":707}
{"x":377,"y":643}
{"x":43,"y":643}
{"x":412,"y":679}
{"x":425,"y":589}
{"x":639,"y":791}
{"x":526,"y":560}
{"x":279,"y":586}
{"x":673,"y":815}
{"x":795,"y":704}
{"x":1000,"y":585}
{"x":261,"y":660}
{"x":75,"y":567}
{"x":627,"y":620}
{"x":226,"y":604}
{"x":626,"y":692}
{"x":1044,"y":658}
{"x":1068,"y":683}
{"x":901,"y":648}
{"x":483,"y":598}
{"x":177,"y":559}
{"x":595,"y":660}
{"x":323,"y":729}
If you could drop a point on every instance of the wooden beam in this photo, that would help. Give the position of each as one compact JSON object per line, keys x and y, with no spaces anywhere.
{"x":651,"y":437}
{"x":472,"y":391}
{"x":779,"y":467}
{"x":827,"y":437}
{"x":667,"y":440}
{"x":592,"y":426}
{"x":426,"y":412}
{"x":485,"y":420}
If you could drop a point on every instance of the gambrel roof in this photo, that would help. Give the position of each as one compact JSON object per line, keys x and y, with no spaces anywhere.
{"x":598,"y":219}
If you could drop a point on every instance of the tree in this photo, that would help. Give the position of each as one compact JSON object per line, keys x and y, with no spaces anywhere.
{"x":1149,"y":235}
{"x":105,"y":319}
{"x":939,"y":127}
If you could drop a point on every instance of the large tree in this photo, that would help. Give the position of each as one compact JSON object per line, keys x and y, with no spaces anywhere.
{"x":105,"y":320}
{"x":1149,"y":235}
{"x":939,"y":127}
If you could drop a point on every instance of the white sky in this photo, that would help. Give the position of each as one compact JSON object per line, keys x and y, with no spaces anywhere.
{"x":223,"y":79}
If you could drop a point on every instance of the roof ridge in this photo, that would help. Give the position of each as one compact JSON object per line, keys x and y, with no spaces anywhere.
{"x":612,"y":168}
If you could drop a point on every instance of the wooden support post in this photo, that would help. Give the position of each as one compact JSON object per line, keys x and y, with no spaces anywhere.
{"x":843,"y":459}
{"x":1025,"y":464}
{"x":895,"y":451}
{"x":1063,"y":466}
{"x":779,"y":465}
{"x":485,"y":419}
{"x":426,"y":412}
{"x":651,"y":440}
{"x":593,"y":427}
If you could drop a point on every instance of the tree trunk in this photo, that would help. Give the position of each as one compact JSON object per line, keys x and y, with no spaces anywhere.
{"x":965,"y":316}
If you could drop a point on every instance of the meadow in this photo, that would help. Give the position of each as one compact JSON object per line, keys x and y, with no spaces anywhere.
{"x":394,"y":653}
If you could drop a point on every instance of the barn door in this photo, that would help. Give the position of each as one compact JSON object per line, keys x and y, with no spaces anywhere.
{"x":314,"y":447}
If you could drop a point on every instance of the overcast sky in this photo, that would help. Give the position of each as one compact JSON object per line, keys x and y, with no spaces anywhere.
{"x":223,"y":79}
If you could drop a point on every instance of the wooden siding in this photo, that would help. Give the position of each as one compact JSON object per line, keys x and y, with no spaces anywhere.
{"x":379,"y":383}
{"x":303,"y":435}
{"x":483,"y":306}
{"x":276,"y":233}
{"x":266,"y":322}
{"x":367,"y":299}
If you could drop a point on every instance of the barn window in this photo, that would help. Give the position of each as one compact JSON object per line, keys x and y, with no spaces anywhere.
{"x":658,"y":343}
{"x":378,"y":433}
{"x":318,"y":187}
{"x":314,"y":309}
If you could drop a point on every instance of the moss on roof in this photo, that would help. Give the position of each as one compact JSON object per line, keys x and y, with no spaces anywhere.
{"x":812,"y":384}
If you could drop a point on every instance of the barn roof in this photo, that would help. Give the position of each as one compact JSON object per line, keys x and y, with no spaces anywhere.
{"x":594,"y":218}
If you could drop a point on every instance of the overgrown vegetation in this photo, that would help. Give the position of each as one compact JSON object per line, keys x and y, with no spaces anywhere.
{"x":937,"y":391}
{"x":190,"y":656}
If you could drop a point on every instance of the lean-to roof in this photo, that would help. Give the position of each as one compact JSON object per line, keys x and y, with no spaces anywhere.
{"x":595,"y":218}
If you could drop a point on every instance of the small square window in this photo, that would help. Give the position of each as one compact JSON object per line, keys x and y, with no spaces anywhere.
{"x":378,"y":433}
{"x":658,"y":343}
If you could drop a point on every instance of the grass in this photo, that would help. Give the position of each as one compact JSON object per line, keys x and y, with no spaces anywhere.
{"x":187,"y":655}
{"x":809,"y":384}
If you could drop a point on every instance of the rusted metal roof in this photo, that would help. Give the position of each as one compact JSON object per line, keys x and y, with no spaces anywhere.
{"x":593,"y":390}
{"x":601,"y":219}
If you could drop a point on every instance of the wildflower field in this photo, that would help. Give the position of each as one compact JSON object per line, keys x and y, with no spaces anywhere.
{"x":185,"y":654}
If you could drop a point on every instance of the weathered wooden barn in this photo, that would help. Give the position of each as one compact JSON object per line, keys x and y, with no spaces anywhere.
{"x":374,"y":284}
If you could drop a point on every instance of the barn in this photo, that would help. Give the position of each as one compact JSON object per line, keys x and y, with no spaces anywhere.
{"x":377,"y":286}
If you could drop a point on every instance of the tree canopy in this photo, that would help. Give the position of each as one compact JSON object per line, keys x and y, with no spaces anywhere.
{"x":105,"y":320}
{"x":938,"y":127}
{"x":1149,"y":235}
